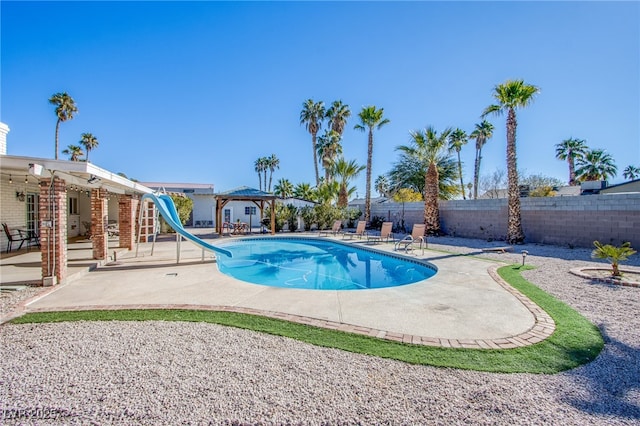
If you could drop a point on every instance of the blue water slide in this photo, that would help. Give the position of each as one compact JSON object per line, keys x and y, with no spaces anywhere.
{"x":167,"y":209}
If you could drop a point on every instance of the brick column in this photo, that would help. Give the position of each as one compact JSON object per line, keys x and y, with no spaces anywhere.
{"x":99,"y":219}
{"x":127,"y":219}
{"x":53,"y":230}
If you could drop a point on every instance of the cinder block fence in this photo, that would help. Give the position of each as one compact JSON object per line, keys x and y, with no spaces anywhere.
{"x":568,"y":221}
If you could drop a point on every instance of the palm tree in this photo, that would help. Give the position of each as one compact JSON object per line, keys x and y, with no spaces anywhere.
{"x":511,"y":95}
{"x":74,"y":151}
{"x":482,"y":133}
{"x":613,"y":254}
{"x":596,"y":164}
{"x":272,"y":163}
{"x":329,"y":148}
{"x":89,"y":142}
{"x":457,"y":139}
{"x":345,"y":171}
{"x":65,"y":108}
{"x":311,"y":116}
{"x":410,"y":169}
{"x":631,"y":172}
{"x":337,"y":116}
{"x":570,"y":150}
{"x":283,"y":188}
{"x":304,"y":191}
{"x":260,"y":166}
{"x":382,"y":185}
{"x":370,"y":118}
{"x":429,"y":146}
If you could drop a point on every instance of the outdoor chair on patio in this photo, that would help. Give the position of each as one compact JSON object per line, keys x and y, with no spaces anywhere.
{"x":386,"y":233}
{"x":417,"y":236}
{"x":360,"y":230}
{"x":15,"y":236}
{"x":335,"y":229}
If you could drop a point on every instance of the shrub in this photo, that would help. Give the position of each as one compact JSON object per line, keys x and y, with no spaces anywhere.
{"x":351,"y":214}
{"x":613,"y":254}
{"x":376,"y":222}
{"x":308,"y":215}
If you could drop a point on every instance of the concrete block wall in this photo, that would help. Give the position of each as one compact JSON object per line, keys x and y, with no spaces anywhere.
{"x":574,"y":221}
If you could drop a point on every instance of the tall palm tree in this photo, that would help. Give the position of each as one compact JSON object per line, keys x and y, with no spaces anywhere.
{"x":74,"y":152}
{"x":260,"y":166}
{"x":65,"y":108}
{"x":429,"y":146}
{"x":345,"y":171}
{"x":631,"y":172}
{"x":457,"y":139}
{"x":337,"y":116}
{"x":370,"y":118}
{"x":570,"y":150}
{"x":596,"y":164}
{"x":89,"y":142}
{"x":311,"y":116}
{"x":482,"y":133}
{"x":511,"y":95}
{"x":382,"y":185}
{"x":283,"y":188}
{"x":329,"y":148}
{"x":304,"y":191}
{"x":272,"y":163}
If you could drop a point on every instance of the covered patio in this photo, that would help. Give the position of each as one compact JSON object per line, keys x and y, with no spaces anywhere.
{"x":44,"y":194}
{"x":260,"y":198}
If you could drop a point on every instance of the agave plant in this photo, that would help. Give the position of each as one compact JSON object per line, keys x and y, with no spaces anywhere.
{"x":613,"y":254}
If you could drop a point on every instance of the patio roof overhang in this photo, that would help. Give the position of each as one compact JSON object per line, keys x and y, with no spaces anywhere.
{"x":78,"y":173}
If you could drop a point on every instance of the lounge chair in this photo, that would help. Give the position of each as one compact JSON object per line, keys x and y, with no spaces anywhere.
{"x":335,"y":229}
{"x":15,"y":236}
{"x":385,"y":233}
{"x":360,"y":230}
{"x":417,"y":236}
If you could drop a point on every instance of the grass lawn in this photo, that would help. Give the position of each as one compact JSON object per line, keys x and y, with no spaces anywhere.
{"x":575,"y":341}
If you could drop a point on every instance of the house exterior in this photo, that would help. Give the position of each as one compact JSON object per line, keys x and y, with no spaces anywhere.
{"x":203,"y":196}
{"x":633,"y":186}
{"x":51,"y":200}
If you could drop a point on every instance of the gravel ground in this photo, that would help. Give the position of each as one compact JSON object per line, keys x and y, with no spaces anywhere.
{"x":151,"y":373}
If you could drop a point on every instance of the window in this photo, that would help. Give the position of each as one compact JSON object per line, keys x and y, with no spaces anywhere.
{"x":249,"y":210}
{"x":73,"y":205}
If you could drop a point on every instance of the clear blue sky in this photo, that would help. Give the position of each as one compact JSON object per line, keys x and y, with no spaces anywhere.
{"x":196,"y":92}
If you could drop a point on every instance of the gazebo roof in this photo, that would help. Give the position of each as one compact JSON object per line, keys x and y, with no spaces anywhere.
{"x":245,"y":193}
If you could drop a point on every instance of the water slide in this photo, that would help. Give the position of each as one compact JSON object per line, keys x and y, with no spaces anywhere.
{"x":167,"y":209}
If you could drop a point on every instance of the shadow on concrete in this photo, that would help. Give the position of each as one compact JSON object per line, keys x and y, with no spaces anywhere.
{"x":120,"y":267}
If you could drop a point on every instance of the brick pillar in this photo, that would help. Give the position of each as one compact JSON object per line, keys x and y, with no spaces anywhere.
{"x":53,"y":230}
{"x":99,"y":219}
{"x":127,"y":219}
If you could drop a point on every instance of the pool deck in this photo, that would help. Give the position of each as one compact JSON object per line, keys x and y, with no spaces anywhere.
{"x":464,"y":305}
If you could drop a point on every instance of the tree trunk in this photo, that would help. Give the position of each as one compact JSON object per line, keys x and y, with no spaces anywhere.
{"x":431,"y":210}
{"x":57,"y":147}
{"x":572,"y":170}
{"x":315,"y":158}
{"x":260,"y":181}
{"x":464,"y":197}
{"x":367,"y":197}
{"x":476,"y":171}
{"x":343,"y":197}
{"x":515,"y":235}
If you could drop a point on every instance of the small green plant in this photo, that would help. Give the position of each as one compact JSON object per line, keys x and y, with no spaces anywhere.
{"x":376,"y":222}
{"x":613,"y":254}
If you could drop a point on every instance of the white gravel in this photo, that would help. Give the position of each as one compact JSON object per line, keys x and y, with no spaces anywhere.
{"x":152,"y":373}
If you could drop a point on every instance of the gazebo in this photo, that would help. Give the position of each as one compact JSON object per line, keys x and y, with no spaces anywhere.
{"x":244,"y":193}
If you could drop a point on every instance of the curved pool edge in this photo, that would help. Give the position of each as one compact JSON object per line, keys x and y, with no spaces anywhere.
{"x":351,"y":244}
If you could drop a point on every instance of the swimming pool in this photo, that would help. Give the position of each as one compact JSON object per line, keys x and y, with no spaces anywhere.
{"x":319,"y":264}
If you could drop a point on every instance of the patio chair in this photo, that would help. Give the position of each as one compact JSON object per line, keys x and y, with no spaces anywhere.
{"x":385,"y":233}
{"x":360,"y":230}
{"x":335,"y":229}
{"x":15,"y":236}
{"x":417,"y":236}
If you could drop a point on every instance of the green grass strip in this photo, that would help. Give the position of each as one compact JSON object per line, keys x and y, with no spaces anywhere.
{"x":576,"y":341}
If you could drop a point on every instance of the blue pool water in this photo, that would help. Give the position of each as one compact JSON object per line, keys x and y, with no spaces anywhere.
{"x":317,"y":264}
